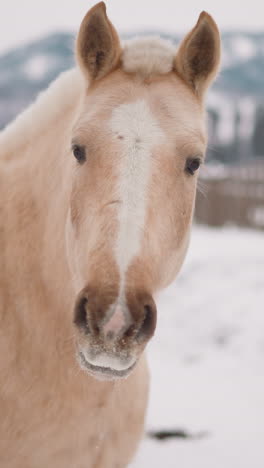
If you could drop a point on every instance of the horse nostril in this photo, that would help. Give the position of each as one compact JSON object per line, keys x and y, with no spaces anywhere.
{"x":80,"y":314}
{"x":149,"y":322}
{"x":130,"y":332}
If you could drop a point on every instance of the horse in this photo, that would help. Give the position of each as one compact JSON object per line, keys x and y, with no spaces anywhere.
{"x":97,"y":181}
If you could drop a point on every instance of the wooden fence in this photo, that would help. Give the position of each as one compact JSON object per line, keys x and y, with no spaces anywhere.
{"x":232,"y":195}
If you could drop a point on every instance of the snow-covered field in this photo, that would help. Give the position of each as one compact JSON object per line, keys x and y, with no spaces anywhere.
{"x":207,"y":358}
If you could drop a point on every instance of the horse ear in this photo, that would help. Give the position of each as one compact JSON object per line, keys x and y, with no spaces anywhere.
{"x":198,"y":57}
{"x":98,"y":48}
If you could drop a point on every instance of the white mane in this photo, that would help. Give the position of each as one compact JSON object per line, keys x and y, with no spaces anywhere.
{"x":50,"y":104}
{"x":147,"y":55}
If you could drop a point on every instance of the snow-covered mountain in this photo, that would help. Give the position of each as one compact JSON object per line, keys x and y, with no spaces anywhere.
{"x":232,"y":102}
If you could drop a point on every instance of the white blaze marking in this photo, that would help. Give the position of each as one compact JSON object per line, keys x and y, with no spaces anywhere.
{"x":139,"y":132}
{"x":117,"y":320}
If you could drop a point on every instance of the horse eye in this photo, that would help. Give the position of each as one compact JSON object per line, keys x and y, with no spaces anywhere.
{"x":192,"y":165}
{"x":79,"y":153}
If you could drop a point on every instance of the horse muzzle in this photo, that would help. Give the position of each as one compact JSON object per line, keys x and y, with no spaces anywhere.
{"x":112,"y":335}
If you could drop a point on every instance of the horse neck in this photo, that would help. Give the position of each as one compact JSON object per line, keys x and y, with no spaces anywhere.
{"x":39,"y":175}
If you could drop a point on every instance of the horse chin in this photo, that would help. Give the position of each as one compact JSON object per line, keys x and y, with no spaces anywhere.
{"x":103,"y":373}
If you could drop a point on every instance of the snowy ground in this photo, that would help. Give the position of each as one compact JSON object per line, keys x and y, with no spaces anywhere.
{"x":207,"y":358}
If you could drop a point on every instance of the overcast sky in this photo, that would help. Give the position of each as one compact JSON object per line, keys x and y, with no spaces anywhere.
{"x":22,"y":20}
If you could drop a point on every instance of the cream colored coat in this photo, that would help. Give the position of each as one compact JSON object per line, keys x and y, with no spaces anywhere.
{"x":53,"y":414}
